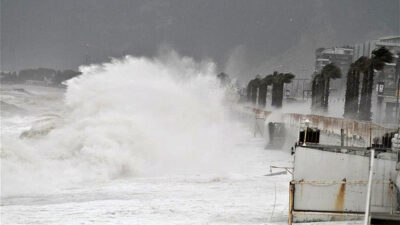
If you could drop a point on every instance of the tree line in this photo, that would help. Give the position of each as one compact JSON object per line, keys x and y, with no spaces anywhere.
{"x":45,"y":75}
{"x":320,"y":86}
{"x":357,"y":103}
{"x":257,"y":88}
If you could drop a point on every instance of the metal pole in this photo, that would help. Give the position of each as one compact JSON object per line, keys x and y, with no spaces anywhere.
{"x":291,"y":201}
{"x":368,"y":201}
{"x":370,"y":134}
{"x":397,"y":99}
{"x":306,"y":123}
{"x":341,"y":137}
{"x":397,"y":73}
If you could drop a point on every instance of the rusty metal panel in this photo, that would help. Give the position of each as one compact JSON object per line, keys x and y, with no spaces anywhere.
{"x":333,"y":125}
{"x":383,"y":195}
{"x":336,"y":182}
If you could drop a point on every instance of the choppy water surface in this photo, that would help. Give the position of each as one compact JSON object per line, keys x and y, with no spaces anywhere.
{"x":136,"y":141}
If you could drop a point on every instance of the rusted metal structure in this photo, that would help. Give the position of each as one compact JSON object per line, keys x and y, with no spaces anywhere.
{"x":277,"y":135}
{"x":352,"y":129}
{"x":330,"y":183}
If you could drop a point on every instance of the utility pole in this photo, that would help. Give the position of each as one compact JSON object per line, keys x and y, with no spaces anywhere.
{"x":397,"y":101}
{"x":397,"y":74}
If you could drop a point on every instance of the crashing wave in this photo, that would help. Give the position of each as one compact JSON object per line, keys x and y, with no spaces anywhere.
{"x":7,"y":108}
{"x":42,"y":127}
{"x":130,"y":117}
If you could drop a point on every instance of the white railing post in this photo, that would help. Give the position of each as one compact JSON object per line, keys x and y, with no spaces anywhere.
{"x":368,"y":201}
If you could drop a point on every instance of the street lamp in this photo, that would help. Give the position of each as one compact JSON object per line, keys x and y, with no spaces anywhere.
{"x":307,"y":123}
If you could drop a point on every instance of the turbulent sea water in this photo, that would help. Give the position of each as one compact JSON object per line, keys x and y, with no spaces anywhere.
{"x":136,"y":141}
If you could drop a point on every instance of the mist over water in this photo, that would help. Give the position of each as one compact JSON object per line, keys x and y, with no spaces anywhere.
{"x":131,"y":117}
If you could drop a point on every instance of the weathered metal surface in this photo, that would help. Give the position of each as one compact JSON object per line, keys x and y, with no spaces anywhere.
{"x":339,"y":203}
{"x":310,"y":216}
{"x":333,"y":182}
{"x":352,"y":128}
{"x":291,"y":193}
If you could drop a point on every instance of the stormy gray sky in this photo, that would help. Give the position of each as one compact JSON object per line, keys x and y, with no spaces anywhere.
{"x":242,"y":37}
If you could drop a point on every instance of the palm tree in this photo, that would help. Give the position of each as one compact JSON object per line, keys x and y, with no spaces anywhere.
{"x":317,"y":91}
{"x":262,"y":93}
{"x":252,"y":89}
{"x":224,"y":79}
{"x":352,"y":92}
{"x":330,"y":71}
{"x":377,"y":61}
{"x":352,"y":96}
{"x":248,"y":90}
{"x":278,"y":80}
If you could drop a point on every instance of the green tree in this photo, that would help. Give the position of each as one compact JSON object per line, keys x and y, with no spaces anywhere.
{"x":262,"y":92}
{"x":377,"y":61}
{"x":40,"y":74}
{"x":278,"y":80}
{"x":62,"y":76}
{"x":330,"y":71}
{"x":252,"y":89}
{"x":317,"y":91}
{"x":248,"y":90}
{"x":352,"y":95}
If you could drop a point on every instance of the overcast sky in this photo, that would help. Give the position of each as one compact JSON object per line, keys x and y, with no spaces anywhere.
{"x":242,"y":37}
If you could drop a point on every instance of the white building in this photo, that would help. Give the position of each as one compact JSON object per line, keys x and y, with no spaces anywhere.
{"x":387,"y":78}
{"x":364,"y":49}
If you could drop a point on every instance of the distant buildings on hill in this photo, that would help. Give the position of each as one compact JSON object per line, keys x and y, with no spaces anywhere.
{"x":40,"y":76}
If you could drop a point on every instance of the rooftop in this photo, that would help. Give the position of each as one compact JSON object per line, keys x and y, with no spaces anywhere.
{"x":339,"y":51}
{"x":389,"y":37}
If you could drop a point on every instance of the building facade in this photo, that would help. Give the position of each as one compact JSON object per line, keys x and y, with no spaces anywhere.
{"x":341,"y":57}
{"x":387,"y":80}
